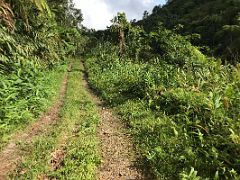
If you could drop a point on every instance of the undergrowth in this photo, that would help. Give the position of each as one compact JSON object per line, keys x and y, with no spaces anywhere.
{"x":74,"y":135}
{"x":185,"y":119}
{"x":25,"y":95}
{"x":33,"y":46}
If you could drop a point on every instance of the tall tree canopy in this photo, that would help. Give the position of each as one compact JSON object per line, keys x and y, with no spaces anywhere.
{"x":214,"y":20}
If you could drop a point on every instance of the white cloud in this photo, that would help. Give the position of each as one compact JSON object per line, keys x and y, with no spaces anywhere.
{"x":98,"y":13}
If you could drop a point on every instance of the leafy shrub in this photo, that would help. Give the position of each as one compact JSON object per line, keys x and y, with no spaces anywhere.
{"x":185,"y":119}
{"x":173,"y":48}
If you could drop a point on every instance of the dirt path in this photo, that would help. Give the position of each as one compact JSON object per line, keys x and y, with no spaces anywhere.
{"x":11,"y":155}
{"x":116,"y":146}
{"x":117,"y":151}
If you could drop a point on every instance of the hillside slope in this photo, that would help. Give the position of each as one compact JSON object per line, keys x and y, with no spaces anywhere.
{"x":217,"y":21}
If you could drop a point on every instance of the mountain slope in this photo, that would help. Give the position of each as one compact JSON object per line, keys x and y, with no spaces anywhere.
{"x":217,"y":21}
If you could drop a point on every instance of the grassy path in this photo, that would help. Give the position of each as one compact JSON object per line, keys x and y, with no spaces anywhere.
{"x":118,"y":157}
{"x":12,"y":154}
{"x":69,"y":140}
{"x":69,"y":149}
{"x":117,"y":150}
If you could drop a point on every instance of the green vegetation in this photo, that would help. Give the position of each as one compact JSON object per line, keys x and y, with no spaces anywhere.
{"x":33,"y":46}
{"x":73,"y":137}
{"x":216,"y":21}
{"x":25,"y":96}
{"x":181,"y":106}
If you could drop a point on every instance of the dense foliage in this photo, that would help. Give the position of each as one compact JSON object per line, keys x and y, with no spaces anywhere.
{"x":32,"y":42}
{"x":216,"y":21}
{"x":181,"y":106}
{"x":74,"y":135}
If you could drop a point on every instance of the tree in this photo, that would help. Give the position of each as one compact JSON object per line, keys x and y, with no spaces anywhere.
{"x":145,"y":15}
{"x":120,"y":24}
{"x":204,"y":17}
{"x":7,"y":15}
{"x":65,"y":13}
{"x":74,"y":16}
{"x":229,"y":36}
{"x":12,"y":9}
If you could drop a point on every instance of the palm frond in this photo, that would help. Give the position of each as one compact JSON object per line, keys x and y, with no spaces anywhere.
{"x":6,"y":15}
{"x":42,"y":6}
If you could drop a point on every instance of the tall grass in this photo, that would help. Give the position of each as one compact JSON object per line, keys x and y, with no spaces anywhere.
{"x":185,"y":120}
{"x":25,"y":95}
{"x":74,"y":135}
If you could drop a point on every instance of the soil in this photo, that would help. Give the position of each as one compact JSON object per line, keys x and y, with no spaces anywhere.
{"x":12,"y":154}
{"x":117,"y":151}
{"x":57,"y":159}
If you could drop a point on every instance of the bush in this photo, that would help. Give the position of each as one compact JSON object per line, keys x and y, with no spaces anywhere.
{"x":185,"y":119}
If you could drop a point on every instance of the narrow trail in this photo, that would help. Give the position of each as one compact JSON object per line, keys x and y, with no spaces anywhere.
{"x":12,"y":154}
{"x":118,"y":155}
{"x":117,"y":150}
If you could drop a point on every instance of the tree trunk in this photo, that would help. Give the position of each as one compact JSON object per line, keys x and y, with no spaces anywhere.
{"x":121,"y":43}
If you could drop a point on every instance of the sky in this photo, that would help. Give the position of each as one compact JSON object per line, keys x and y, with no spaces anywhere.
{"x":98,"y":13}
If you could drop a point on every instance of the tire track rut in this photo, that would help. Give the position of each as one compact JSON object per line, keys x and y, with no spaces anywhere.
{"x":117,"y":151}
{"x":12,"y":154}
